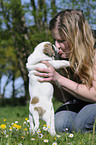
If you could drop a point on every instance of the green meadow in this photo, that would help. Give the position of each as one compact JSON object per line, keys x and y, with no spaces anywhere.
{"x":14,"y":130}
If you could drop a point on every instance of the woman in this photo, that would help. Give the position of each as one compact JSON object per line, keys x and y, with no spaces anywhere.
{"x":75,"y":41}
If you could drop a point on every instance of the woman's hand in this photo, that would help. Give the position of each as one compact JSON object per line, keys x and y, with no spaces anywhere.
{"x":48,"y":74}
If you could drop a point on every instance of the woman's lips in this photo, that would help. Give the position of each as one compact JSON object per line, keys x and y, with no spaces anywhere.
{"x":60,"y":52}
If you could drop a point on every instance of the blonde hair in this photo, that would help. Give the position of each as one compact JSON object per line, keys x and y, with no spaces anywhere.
{"x":72,"y":26}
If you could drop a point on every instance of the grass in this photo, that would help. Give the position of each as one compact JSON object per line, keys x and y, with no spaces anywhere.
{"x":14,"y":130}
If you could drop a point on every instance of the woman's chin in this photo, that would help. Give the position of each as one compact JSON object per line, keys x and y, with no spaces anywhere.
{"x":63,"y":56}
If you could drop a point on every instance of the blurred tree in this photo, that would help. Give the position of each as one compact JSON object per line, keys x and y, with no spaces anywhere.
{"x":8,"y":65}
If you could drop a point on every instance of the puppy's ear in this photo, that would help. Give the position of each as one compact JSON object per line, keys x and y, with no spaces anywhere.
{"x":48,"y":50}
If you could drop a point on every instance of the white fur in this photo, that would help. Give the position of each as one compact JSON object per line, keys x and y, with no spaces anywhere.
{"x":42,"y":90}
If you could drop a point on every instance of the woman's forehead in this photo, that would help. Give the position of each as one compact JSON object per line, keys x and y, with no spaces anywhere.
{"x":56,"y":35}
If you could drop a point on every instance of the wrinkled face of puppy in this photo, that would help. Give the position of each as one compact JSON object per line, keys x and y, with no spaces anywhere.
{"x":50,"y":50}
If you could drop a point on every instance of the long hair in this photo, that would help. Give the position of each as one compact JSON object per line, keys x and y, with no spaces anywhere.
{"x":72,"y":26}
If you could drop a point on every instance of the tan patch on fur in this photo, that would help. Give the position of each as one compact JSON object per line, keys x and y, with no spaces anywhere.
{"x":35,"y":100}
{"x":48,"y":49}
{"x":40,"y":110}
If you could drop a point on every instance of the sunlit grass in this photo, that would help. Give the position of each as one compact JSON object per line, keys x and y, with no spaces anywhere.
{"x":14,"y":130}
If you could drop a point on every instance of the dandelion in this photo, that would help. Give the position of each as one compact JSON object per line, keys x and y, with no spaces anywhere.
{"x":46,"y":140}
{"x":25,"y":129}
{"x":45,"y":125}
{"x":14,"y":125}
{"x":22,"y":137}
{"x":40,"y":135}
{"x":26,"y":119}
{"x":32,"y":138}
{"x":4,"y":119}
{"x":2,"y":126}
{"x":71,"y":135}
{"x":18,"y":126}
{"x":54,"y":143}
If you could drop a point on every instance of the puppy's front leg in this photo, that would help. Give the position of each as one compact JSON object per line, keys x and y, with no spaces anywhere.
{"x":57,"y":64}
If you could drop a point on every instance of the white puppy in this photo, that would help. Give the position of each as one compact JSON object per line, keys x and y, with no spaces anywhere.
{"x":41,"y":93}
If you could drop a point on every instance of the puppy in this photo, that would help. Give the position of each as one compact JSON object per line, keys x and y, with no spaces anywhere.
{"x":41,"y":93}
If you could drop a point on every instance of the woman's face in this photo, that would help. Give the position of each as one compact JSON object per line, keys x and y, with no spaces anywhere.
{"x":62,"y":44}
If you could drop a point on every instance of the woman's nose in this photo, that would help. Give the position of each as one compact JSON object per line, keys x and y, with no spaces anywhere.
{"x":57,"y":44}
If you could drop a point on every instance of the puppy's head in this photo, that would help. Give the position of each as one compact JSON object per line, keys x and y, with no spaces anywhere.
{"x":50,"y":50}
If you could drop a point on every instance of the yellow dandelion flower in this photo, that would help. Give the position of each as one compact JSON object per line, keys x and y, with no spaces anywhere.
{"x":45,"y":125}
{"x":2,"y":126}
{"x":26,"y":119}
{"x":1,"y":132}
{"x":55,"y":138}
{"x":4,"y":119}
{"x":22,"y":137}
{"x":25,"y":129}
{"x":18,"y":126}
{"x":14,"y":125}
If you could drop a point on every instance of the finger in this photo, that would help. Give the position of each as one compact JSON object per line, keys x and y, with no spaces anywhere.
{"x":45,"y":79}
{"x":46,"y":70}
{"x":42,"y":74}
{"x":46,"y":63}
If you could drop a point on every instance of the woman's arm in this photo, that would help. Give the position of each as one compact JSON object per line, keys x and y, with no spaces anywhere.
{"x":79,"y":91}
